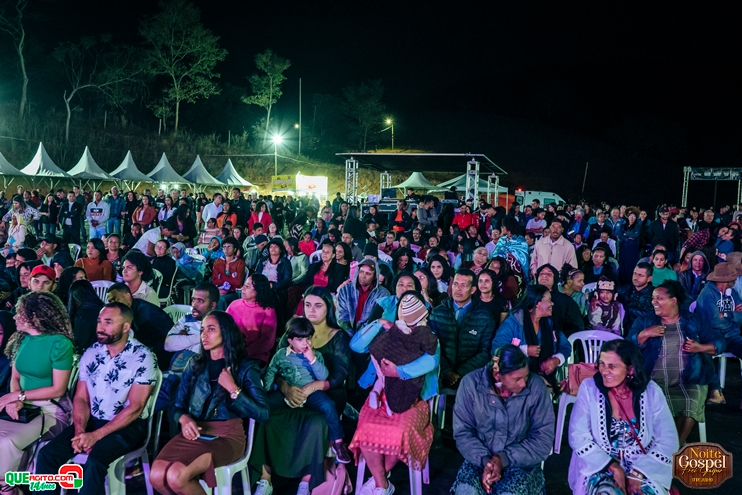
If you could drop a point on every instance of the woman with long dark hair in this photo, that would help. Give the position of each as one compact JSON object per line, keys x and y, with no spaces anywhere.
{"x":167,"y":210}
{"x":429,"y":287}
{"x":68,"y":276}
{"x":220,"y":386}
{"x":402,"y":260}
{"x":294,"y":442}
{"x":503,"y":433}
{"x":355,"y":227}
{"x":529,"y":324}
{"x":145,"y":214}
{"x":255,"y":316}
{"x":619,"y":414}
{"x":131,"y":204}
{"x":95,"y":264}
{"x":261,"y":215}
{"x":83,"y":306}
{"x":507,"y":285}
{"x":489,"y":296}
{"x":27,"y":212}
{"x":41,"y":355}
{"x":441,"y":271}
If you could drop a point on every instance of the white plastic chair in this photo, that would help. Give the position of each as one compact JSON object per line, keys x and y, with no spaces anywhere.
{"x":201,"y":248}
{"x":723,"y":366}
{"x":164,"y":301}
{"x":592,"y":341}
{"x":384,"y":257}
{"x":588,"y":288}
{"x":315,"y":256}
{"x":74,"y":251}
{"x":417,"y":478}
{"x":177,"y":311}
{"x":156,"y":281}
{"x":224,"y":474}
{"x":417,"y":261}
{"x":101,"y":288}
{"x":115,"y":481}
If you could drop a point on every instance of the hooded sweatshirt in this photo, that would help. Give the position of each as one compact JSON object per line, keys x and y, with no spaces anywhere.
{"x":348,"y":299}
{"x":692,"y":283}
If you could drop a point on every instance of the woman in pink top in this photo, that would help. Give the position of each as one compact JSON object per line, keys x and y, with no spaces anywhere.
{"x":255,"y":316}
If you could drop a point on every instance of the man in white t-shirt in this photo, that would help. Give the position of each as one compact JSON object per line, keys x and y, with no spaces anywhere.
{"x":213,"y":209}
{"x":146,"y":243}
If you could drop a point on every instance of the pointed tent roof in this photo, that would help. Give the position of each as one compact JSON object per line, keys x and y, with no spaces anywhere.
{"x":86,"y":168}
{"x":416,"y":181}
{"x":6,"y":168}
{"x":230,"y":176}
{"x":460,"y":183}
{"x":199,"y":175}
{"x":43,"y":166}
{"x":128,"y":170}
{"x":164,"y":172}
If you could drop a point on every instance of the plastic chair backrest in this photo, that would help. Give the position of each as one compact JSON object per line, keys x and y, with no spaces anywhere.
{"x":592,"y":340}
{"x":315,"y":256}
{"x":166,"y":299}
{"x":101,"y":288}
{"x":177,"y":311}
{"x":202,"y":248}
{"x":156,"y":281}
{"x":588,"y":288}
{"x":74,"y":251}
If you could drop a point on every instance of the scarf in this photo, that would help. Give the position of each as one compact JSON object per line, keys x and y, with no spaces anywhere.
{"x":610,"y":312}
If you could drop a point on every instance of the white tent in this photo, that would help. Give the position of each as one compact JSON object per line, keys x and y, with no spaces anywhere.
{"x":87,"y":169}
{"x":230,"y":176}
{"x":199,"y":175}
{"x":128,"y":170}
{"x":43,"y":166}
{"x":8,"y":170}
{"x":164,"y":172}
{"x":416,"y":181}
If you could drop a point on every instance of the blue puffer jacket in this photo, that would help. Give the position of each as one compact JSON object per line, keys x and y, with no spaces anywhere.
{"x":700,"y":368}
{"x":250,"y":403}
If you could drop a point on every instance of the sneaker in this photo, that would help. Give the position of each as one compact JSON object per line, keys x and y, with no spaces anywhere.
{"x":263,"y":487}
{"x":373,"y":400}
{"x":303,"y":488}
{"x":384,"y":491}
{"x":368,"y":487}
{"x":715,"y":398}
{"x":342,"y":452}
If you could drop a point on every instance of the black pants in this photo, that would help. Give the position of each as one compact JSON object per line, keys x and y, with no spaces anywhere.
{"x":71,"y":234}
{"x":103,"y":453}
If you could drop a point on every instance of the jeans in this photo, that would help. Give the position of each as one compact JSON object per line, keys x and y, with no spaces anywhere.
{"x":114,"y":226}
{"x":97,"y":232}
{"x":318,"y":401}
{"x":103,"y":453}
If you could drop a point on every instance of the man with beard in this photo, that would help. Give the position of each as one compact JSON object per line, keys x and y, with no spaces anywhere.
{"x":117,"y":375}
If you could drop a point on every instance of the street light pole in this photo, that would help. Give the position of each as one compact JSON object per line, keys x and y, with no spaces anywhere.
{"x":390,"y":122}
{"x":276,"y":141}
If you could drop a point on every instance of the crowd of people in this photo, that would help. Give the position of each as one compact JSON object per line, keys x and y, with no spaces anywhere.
{"x":300,"y":310}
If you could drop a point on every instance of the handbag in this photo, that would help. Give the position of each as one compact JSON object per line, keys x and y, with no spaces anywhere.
{"x":578,"y":373}
{"x":25,"y":415}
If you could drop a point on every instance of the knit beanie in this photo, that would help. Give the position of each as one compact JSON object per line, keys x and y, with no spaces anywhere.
{"x":371,"y":249}
{"x":412,"y":309}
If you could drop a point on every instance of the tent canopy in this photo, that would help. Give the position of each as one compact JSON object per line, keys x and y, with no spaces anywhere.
{"x":416,"y":181}
{"x":431,"y":162}
{"x":199,"y":175}
{"x":460,"y":183}
{"x":87,"y":169}
{"x":128,"y":170}
{"x":43,"y":166}
{"x":7,"y":169}
{"x":230,"y":176}
{"x":164,"y":172}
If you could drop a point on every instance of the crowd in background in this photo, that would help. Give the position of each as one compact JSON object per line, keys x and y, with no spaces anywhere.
{"x":302,"y":312}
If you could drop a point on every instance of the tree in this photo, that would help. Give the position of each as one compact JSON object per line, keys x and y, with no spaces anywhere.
{"x":266,"y":88}
{"x":13,"y":25}
{"x":363,"y":105}
{"x":184,"y":51}
{"x":95,"y":64}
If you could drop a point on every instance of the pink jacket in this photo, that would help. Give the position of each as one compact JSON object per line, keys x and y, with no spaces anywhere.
{"x":258,"y":325}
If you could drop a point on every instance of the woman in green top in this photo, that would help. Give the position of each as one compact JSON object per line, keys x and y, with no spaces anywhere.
{"x":41,"y":356}
{"x":661,"y":271}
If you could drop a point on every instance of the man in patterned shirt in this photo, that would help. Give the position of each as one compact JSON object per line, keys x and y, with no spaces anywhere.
{"x":117,"y":375}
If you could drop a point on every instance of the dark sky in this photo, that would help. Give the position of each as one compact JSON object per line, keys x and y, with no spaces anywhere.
{"x":459,"y":76}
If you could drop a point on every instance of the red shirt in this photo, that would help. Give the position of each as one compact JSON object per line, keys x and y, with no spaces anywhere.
{"x":321,"y":279}
{"x":362,"y":298}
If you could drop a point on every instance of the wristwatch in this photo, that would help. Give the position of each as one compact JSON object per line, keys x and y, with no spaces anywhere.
{"x":234,"y":394}
{"x":22,"y":396}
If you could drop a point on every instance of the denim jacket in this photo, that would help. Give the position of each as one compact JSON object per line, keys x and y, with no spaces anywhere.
{"x":250,"y":403}
{"x":425,"y":365}
{"x":116,"y":206}
{"x":700,"y":368}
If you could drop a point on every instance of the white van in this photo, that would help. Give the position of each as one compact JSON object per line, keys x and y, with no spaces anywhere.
{"x":545,"y":197}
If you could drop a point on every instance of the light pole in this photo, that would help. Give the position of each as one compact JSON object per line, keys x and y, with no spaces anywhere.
{"x":276,"y":141}
{"x":390,"y":123}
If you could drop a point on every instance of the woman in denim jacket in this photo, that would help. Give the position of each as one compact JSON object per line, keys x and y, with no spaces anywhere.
{"x":219,"y":388}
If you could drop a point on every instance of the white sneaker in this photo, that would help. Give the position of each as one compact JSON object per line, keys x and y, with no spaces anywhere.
{"x":384,"y":491}
{"x":368,"y":487}
{"x":263,"y":487}
{"x":303,"y":488}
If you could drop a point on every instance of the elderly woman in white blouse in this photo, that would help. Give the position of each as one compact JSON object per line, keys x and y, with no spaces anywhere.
{"x":621,"y":430}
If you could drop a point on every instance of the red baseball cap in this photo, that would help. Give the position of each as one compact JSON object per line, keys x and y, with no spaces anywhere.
{"x":44,"y":270}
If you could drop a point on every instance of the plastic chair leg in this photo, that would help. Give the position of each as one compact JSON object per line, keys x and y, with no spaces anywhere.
{"x":441,"y":411}
{"x":245,"y":481}
{"x":115,"y":481}
{"x":158,"y":428}
{"x":702,"y":431}
{"x":145,"y":468}
{"x":361,"y":472}
{"x":426,"y":471}
{"x":416,"y":485}
{"x":722,"y":370}
{"x":561,"y":417}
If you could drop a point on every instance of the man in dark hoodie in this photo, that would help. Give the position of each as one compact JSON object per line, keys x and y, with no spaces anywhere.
{"x":636,"y":297}
{"x":566,"y":313}
{"x":694,"y":278}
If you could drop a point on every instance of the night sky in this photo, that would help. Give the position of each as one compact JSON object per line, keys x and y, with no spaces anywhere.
{"x":637,"y":90}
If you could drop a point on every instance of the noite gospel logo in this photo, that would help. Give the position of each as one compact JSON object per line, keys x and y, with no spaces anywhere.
{"x":702,"y":465}
{"x":69,"y":477}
